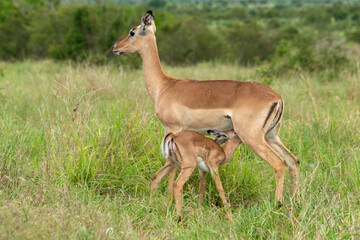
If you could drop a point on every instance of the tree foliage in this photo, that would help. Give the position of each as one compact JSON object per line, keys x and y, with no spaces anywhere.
{"x":288,"y":36}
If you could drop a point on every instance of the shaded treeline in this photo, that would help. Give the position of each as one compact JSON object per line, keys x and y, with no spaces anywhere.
{"x":291,"y":36}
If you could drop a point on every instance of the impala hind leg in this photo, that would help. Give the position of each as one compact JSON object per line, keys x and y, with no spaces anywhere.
{"x":158,"y":176}
{"x":291,"y":161}
{"x":202,"y":183}
{"x":267,"y":153}
{"x":184,"y":175}
{"x":170,"y":185}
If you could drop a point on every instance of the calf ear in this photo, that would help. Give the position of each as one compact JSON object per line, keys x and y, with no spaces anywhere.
{"x":147,"y":21}
{"x":220,"y":137}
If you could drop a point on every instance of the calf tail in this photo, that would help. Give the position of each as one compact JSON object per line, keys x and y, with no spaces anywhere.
{"x":168,"y":146}
{"x":165,"y":149}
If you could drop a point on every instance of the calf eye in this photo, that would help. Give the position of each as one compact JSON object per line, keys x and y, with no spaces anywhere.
{"x":132,"y":33}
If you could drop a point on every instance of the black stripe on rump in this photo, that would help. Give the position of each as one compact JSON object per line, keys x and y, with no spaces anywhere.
{"x":277,"y":121}
{"x":164,"y":139}
{"x":167,"y":135}
{"x":270,"y":112}
{"x":177,"y":153}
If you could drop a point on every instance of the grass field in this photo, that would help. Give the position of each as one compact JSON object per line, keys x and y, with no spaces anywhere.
{"x":79,"y":143}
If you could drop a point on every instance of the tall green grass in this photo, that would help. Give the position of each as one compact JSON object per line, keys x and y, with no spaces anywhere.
{"x":79,"y":144}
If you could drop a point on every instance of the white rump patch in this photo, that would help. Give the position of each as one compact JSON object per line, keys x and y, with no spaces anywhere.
{"x":277,"y":107}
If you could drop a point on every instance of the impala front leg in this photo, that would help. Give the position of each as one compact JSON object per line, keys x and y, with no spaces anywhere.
{"x":230,"y":147}
{"x":230,"y":140}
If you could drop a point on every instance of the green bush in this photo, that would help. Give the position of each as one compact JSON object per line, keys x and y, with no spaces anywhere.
{"x":338,"y":12}
{"x":13,"y":32}
{"x":187,"y":40}
{"x":328,"y":55}
{"x":286,"y":35}
{"x":249,"y":43}
{"x":80,"y":38}
{"x":317,"y":17}
{"x":354,"y":36}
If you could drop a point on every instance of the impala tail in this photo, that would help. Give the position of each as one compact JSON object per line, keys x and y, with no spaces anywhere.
{"x":168,"y":146}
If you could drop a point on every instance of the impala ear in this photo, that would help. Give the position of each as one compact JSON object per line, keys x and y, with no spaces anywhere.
{"x":147,"y":21}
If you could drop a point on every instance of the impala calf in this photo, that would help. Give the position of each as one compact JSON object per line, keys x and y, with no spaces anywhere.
{"x":186,"y":150}
{"x":253,"y":110}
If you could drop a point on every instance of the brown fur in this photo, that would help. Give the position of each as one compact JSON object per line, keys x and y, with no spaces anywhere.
{"x":188,"y":146}
{"x":223,"y":105}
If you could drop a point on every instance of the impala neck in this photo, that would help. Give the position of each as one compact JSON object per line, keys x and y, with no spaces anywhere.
{"x":154,"y":74}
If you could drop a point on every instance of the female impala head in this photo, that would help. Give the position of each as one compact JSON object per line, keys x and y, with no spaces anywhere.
{"x":134,"y":41}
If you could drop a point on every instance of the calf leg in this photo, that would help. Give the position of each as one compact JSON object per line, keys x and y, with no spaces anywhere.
{"x":184,"y":175}
{"x":158,"y":176}
{"x":202,"y":183}
{"x":219,"y":187}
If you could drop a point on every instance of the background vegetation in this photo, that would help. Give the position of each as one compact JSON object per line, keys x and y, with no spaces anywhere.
{"x":79,"y":145}
{"x":79,"y":139}
{"x":288,"y":36}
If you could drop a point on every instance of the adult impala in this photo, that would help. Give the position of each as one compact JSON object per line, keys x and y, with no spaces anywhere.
{"x":252,"y":109}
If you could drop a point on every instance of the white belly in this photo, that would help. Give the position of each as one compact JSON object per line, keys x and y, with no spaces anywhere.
{"x":201,"y":120}
{"x":202,"y":165}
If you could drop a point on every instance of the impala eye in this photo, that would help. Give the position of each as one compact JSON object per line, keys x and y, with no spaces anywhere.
{"x":132,"y":33}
